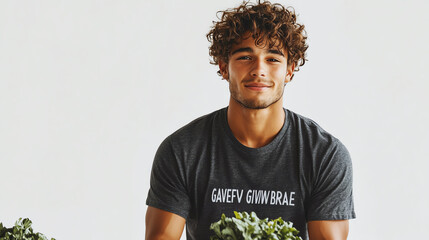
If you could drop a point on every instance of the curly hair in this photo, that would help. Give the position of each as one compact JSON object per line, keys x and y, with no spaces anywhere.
{"x":264,"y":21}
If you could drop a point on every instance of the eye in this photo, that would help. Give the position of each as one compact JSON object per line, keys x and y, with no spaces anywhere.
{"x":243,"y":58}
{"x":273,"y":60}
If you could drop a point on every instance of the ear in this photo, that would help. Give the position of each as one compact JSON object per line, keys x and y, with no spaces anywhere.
{"x":223,"y":68}
{"x":289,"y":74}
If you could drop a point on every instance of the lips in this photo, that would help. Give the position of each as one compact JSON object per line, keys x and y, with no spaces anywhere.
{"x":257,"y":86}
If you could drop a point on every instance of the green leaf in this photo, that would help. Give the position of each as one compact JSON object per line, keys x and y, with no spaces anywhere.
{"x":246,"y":226}
{"x":228,"y":233}
{"x":238,"y":215}
{"x":20,"y":231}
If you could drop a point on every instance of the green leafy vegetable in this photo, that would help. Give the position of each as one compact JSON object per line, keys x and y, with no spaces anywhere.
{"x":21,"y":231}
{"x":246,"y":226}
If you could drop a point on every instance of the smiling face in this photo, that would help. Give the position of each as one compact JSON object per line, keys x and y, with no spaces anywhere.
{"x":256,"y":74}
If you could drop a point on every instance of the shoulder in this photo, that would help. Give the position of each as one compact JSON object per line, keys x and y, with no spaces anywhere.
{"x":306,"y":126}
{"x":197,"y":129}
{"x":199,"y":125}
{"x":312,"y":135}
{"x":189,"y":140}
{"x":323,"y":155}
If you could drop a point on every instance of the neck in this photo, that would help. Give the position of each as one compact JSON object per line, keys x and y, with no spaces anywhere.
{"x":255,"y":127}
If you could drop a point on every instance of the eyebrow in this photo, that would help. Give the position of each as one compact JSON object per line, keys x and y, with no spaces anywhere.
{"x":250,"y":50}
{"x":246,"y":49}
{"x":275,"y":51}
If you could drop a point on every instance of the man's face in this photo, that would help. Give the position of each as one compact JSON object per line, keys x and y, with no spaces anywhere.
{"x":256,"y":74}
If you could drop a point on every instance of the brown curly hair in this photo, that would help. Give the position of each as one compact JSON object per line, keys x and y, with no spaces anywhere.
{"x":264,"y":21}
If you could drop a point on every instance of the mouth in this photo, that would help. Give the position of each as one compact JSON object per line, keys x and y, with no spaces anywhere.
{"x":257,"y":86}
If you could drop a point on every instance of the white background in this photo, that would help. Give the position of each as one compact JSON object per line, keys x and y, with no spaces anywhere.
{"x":89,"y":89}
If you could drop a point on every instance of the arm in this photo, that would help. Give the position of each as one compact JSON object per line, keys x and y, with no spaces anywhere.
{"x":331,"y":203}
{"x":163,"y":225}
{"x":328,"y":230}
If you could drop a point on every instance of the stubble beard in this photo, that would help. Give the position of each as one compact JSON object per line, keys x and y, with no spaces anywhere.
{"x":256,"y":104}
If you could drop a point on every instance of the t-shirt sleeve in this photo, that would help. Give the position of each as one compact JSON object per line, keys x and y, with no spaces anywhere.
{"x":332,"y":195}
{"x":168,"y":190}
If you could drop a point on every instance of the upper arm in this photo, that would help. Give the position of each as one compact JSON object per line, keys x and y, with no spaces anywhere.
{"x":163,"y":225}
{"x":328,"y":230}
{"x":168,"y":184}
{"x":331,"y":194}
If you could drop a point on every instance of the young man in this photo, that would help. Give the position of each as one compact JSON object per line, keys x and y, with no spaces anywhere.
{"x":253,"y":155}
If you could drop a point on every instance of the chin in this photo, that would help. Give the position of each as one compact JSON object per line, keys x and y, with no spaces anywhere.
{"x":256,"y":105}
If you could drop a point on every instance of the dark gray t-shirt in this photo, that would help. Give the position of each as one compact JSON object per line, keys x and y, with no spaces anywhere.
{"x":202,"y":171}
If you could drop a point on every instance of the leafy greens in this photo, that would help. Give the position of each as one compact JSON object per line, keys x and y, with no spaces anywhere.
{"x":21,"y":231}
{"x":246,"y":226}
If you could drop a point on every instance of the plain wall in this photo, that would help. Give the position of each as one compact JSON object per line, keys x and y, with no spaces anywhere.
{"x":89,"y":89}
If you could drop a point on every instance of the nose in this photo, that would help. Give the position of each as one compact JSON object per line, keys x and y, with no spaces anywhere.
{"x":258,"y":69}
